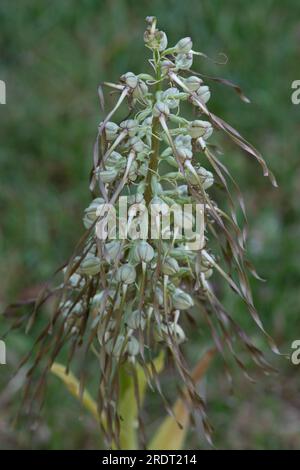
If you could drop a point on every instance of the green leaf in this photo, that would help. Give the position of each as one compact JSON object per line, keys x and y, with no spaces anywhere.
{"x":72,"y":384}
{"x":171,"y":436}
{"x":128,"y":408}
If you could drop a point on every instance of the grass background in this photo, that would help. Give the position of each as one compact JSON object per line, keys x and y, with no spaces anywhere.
{"x":53,"y":56}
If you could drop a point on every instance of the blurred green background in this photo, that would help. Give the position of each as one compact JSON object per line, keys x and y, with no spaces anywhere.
{"x":53,"y":56}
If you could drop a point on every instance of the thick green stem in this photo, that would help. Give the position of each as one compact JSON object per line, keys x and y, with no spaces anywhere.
{"x":153,"y":164}
{"x":153,"y":160}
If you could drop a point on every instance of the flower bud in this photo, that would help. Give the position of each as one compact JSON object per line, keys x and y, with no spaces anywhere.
{"x":159,"y":296}
{"x":116,"y":161}
{"x":206,"y":177}
{"x":183,"y":141}
{"x":170,"y":266}
{"x":130,"y":80}
{"x":208,"y":273}
{"x":132,"y":175}
{"x":136,"y":320}
{"x":141,"y":90}
{"x":133,"y":346}
{"x":112,"y":250}
{"x":150,"y":20}
{"x":115,"y":347}
{"x":90,"y":266}
{"x":131,"y":125}
{"x":137,"y":198}
{"x":143,"y":252}
{"x":109,"y":175}
{"x":97,"y":299}
{"x":184,"y":61}
{"x":156,"y":40}
{"x":193,"y":83}
{"x":184,"y":45}
{"x":199,"y":128}
{"x":166,"y":65}
{"x":184,"y":153}
{"x":74,"y":280}
{"x":160,"y":108}
{"x":175,"y":331}
{"x":137,"y":144}
{"x":170,"y":98}
{"x":182,"y":300}
{"x":111,"y":130}
{"x":143,"y":169}
{"x":206,"y":268}
{"x":126,"y":274}
{"x":203,"y":94}
{"x":183,"y":144}
{"x":90,"y":213}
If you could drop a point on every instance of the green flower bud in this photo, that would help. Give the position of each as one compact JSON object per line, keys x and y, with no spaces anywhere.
{"x":90,"y":266}
{"x":136,"y":199}
{"x":115,"y":347}
{"x":159,"y":296}
{"x":206,"y":268}
{"x":184,"y":153}
{"x":206,"y":177}
{"x":193,"y":83}
{"x":75,"y":280}
{"x":131,"y":125}
{"x":137,"y":144}
{"x":108,"y":176}
{"x":116,"y":161}
{"x":143,"y":252}
{"x":126,"y":274}
{"x":175,"y":331}
{"x":184,"y":45}
{"x":135,"y":320}
{"x":156,"y":40}
{"x":133,"y":346}
{"x":203,"y":94}
{"x":170,"y":97}
{"x":132,"y":175}
{"x":208,"y":273}
{"x":112,"y":250}
{"x":130,"y":80}
{"x":184,"y":61}
{"x":183,"y":141}
{"x":170,"y":266}
{"x":143,"y":169}
{"x":199,"y":128}
{"x":141,"y":90}
{"x":183,"y":144}
{"x":111,"y":130}
{"x":160,"y":108}
{"x":182,"y":300}
{"x":166,"y":65}
{"x":90,"y":213}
